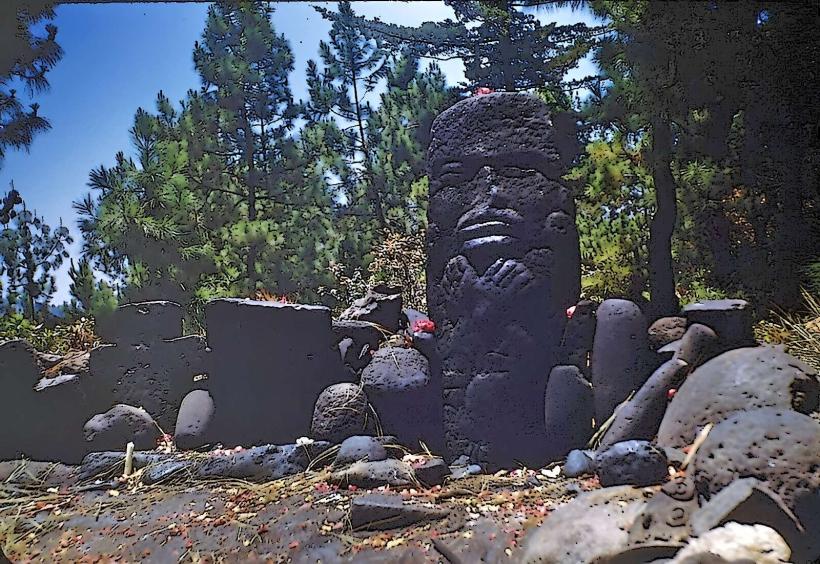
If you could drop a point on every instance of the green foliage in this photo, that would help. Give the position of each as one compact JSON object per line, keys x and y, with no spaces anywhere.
{"x":614,"y":207}
{"x":53,"y":338}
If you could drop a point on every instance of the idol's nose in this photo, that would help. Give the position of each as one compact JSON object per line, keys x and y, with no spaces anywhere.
{"x":493,"y":187}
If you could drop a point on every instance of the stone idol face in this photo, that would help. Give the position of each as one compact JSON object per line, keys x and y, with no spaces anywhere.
{"x":503,"y":266}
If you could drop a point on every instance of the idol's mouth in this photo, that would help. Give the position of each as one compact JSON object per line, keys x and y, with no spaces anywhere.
{"x":488,"y":224}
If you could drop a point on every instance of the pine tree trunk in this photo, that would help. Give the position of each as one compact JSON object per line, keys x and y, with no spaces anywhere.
{"x":253,"y":251}
{"x":375,"y":197}
{"x":661,"y":274}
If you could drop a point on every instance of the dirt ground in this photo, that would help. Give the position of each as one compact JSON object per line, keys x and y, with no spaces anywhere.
{"x":47,"y":516}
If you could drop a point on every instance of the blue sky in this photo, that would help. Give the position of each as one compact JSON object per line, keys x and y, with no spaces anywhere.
{"x":118,"y":56}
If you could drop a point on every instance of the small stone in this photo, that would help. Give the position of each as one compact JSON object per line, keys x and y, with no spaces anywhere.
{"x":194,"y":420}
{"x":378,"y":512}
{"x":360,"y":447}
{"x":636,"y":463}
{"x":432,"y":472}
{"x":568,"y":411}
{"x":459,"y":472}
{"x":579,"y":463}
{"x":388,"y":472}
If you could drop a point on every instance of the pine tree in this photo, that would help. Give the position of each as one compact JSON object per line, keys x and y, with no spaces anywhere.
{"x":30,"y":253}
{"x":354,"y":64}
{"x":244,"y":66}
{"x":25,"y":60}
{"x":502,"y":46}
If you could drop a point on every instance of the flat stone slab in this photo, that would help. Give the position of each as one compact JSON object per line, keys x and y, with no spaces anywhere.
{"x":381,"y":512}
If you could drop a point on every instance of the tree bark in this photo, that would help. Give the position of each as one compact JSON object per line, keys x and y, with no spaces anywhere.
{"x":664,"y":301}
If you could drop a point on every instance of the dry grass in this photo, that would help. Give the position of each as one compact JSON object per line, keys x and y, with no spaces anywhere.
{"x":800,"y":333}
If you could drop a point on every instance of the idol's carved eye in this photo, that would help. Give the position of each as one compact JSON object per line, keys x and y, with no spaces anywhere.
{"x":451,"y":173}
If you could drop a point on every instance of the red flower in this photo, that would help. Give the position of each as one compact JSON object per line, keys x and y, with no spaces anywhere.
{"x":570,"y":312}
{"x":481,"y":91}
{"x":671,"y":393}
{"x":424,"y":326}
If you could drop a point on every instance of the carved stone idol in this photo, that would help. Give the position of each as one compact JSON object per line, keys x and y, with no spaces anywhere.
{"x":503,"y":266}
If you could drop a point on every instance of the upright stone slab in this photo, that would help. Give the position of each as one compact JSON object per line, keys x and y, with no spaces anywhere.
{"x":154,"y":376}
{"x":568,"y":411}
{"x":141,"y":322}
{"x":730,"y":319}
{"x":579,"y":335}
{"x":620,"y":355}
{"x":503,"y":266}
{"x":270,"y":363}
{"x":19,"y":374}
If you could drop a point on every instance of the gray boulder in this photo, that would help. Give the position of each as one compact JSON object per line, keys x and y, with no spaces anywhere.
{"x":636,"y":463}
{"x":593,"y":525}
{"x":118,"y":426}
{"x":406,"y":398}
{"x":779,"y":447}
{"x":740,"y":379}
{"x":341,"y":411}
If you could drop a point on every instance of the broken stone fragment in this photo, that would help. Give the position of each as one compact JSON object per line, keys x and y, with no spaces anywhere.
{"x":431,"y":472}
{"x":591,"y":526}
{"x":381,"y":304}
